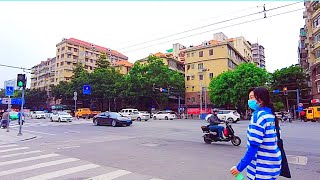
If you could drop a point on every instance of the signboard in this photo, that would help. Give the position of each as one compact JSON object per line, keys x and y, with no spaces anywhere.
{"x":6,"y":101}
{"x":75,"y":98}
{"x":86,"y":89}
{"x":9,"y":90}
{"x":17,"y":101}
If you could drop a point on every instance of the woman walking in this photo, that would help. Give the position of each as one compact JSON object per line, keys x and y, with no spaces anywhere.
{"x":263,"y":157}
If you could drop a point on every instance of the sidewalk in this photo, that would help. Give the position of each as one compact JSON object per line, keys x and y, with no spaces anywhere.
{"x":12,"y":136}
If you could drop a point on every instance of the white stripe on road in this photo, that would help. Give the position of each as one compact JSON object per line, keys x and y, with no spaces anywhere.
{"x":10,"y":145}
{"x":111,"y":175}
{"x":40,"y":132}
{"x":28,"y":159}
{"x":13,"y":149}
{"x":156,"y":179}
{"x":18,"y":154}
{"x":37,"y":166}
{"x":60,"y":173}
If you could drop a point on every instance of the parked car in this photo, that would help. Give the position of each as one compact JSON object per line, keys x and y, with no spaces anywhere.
{"x":111,"y":118}
{"x":228,"y":115}
{"x":126,"y":112}
{"x":164,"y":115}
{"x":139,"y":116}
{"x":38,"y":115}
{"x":61,"y":116}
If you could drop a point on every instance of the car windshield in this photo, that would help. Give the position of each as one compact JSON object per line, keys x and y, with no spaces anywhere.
{"x":39,"y":112}
{"x":63,"y":113}
{"x":115,"y":115}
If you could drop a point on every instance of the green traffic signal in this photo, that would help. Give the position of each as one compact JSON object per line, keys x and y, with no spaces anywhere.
{"x":20,"y":84}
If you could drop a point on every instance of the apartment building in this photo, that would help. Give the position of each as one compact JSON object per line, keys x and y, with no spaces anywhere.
{"x":309,"y":47}
{"x":123,"y":66}
{"x":258,"y":55}
{"x":70,"y":52}
{"x":204,"y":62}
{"x":169,"y":60}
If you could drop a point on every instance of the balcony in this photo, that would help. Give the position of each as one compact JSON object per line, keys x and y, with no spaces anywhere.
{"x":69,"y":52}
{"x":316,"y":12}
{"x":316,"y":45}
{"x":315,"y":30}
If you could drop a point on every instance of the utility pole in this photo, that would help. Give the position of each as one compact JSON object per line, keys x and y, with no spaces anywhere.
{"x":200,"y":99}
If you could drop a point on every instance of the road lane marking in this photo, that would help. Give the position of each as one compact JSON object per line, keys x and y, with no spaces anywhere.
{"x":299,"y":160}
{"x":68,"y":147}
{"x":13,"y":149}
{"x":111,"y":175}
{"x":27,"y":159}
{"x":18,"y":154}
{"x":60,"y":173}
{"x":156,"y":179}
{"x":40,"y":132}
{"x":37,"y":166}
{"x":10,"y":145}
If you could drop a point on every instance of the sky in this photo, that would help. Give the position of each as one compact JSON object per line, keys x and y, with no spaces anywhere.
{"x":29,"y":31}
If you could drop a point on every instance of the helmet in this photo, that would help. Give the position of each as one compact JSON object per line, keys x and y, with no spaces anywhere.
{"x":215,"y":110}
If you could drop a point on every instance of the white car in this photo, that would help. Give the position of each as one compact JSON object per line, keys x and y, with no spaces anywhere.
{"x":227,"y":115}
{"x":61,"y":116}
{"x":164,"y":115}
{"x":126,"y":112}
{"x":139,"y":116}
{"x":38,"y":115}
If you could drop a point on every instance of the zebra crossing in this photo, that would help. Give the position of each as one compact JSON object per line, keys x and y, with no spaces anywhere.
{"x":24,"y":163}
{"x":45,"y":123}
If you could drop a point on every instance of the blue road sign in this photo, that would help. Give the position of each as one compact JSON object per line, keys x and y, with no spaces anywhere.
{"x":276,"y":91}
{"x":17,"y":101}
{"x":86,"y":89}
{"x":9,"y":90}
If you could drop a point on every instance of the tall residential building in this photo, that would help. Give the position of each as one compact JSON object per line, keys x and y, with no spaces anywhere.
{"x":70,"y":52}
{"x":310,"y":40}
{"x":204,"y":62}
{"x":258,"y":55}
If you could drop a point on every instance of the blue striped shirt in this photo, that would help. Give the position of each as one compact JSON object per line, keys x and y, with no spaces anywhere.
{"x":261,"y":133}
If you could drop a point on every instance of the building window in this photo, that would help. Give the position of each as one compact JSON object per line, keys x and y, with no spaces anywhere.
{"x":188,"y":78}
{"x":192,"y":66}
{"x":211,"y":75}
{"x":316,"y":22}
{"x":58,"y":57}
{"x":192,"y":77}
{"x":192,"y":88}
{"x":86,"y":67}
{"x":316,"y":39}
{"x":317,"y":54}
{"x":75,"y":50}
{"x":90,"y":67}
{"x":75,"y":57}
{"x":210,"y":52}
{"x":87,"y":60}
{"x":67,"y":78}
{"x":91,"y":60}
{"x":193,"y":99}
{"x":62,"y":49}
{"x":56,"y":79}
{"x":69,"y":55}
{"x":58,"y":49}
{"x":68,"y":63}
{"x":231,"y":64}
{"x":318,"y":86}
{"x":57,"y":64}
{"x":69,"y":48}
{"x":192,"y":54}
{"x":200,"y":77}
{"x":200,"y":66}
{"x":62,"y":55}
{"x":188,"y":54}
{"x":201,"y":54}
{"x":61,"y":64}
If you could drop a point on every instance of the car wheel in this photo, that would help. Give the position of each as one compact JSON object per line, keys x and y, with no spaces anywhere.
{"x":146,"y":120}
{"x":166,"y":118}
{"x":139,"y":119}
{"x":154,"y":118}
{"x":114,"y":123}
{"x":230,"y":120}
{"x":95,"y":122}
{"x":51,"y":119}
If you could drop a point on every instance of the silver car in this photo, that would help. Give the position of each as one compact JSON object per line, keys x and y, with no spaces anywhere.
{"x":139,"y":116}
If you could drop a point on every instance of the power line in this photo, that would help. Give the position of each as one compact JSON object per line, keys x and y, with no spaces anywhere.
{"x":15,"y":67}
{"x":245,"y":22}
{"x":201,"y":27}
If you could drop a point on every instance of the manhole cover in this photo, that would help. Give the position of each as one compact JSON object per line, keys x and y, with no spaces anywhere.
{"x":299,"y":160}
{"x":150,"y":145}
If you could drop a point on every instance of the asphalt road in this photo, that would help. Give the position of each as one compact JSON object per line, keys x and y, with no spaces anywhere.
{"x":156,"y":149}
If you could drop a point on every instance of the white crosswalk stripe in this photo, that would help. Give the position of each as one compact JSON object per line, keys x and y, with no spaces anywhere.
{"x":38,"y":165}
{"x":45,"y":123}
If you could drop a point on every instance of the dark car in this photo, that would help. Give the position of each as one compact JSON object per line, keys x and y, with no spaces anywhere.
{"x":111,"y":118}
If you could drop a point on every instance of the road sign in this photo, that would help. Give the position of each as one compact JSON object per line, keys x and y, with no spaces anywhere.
{"x":75,"y":98}
{"x":6,"y":101}
{"x":9,"y":90}
{"x":276,"y":91}
{"x":300,"y":105}
{"x":86,"y":89}
{"x":75,"y":93}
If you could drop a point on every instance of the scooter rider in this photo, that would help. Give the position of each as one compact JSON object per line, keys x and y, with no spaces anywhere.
{"x":215,"y":121}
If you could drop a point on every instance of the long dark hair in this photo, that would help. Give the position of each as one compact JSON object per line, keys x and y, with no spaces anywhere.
{"x":262,"y":94}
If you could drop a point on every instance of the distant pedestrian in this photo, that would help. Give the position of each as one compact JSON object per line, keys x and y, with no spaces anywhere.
{"x":303,"y":115}
{"x":5,"y":121}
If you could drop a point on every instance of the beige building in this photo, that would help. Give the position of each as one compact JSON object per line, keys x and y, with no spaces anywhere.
{"x":70,"y":52}
{"x":123,"y":66}
{"x":204,"y":62}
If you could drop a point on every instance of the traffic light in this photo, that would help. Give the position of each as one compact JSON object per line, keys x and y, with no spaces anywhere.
{"x":21,"y":80}
{"x":285,"y":91}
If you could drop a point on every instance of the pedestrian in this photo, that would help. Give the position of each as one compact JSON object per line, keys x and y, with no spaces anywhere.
{"x":263,"y":156}
{"x":303,"y":115}
{"x":6,"y":119}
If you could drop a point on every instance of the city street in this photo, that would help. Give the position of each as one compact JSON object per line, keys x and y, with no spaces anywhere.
{"x":155,"y":149}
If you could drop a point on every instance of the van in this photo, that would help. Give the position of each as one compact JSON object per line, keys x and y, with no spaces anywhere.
{"x":126,"y":112}
{"x":83,"y":113}
{"x":313,"y":113}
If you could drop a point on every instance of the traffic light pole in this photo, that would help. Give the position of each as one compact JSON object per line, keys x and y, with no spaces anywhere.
{"x":21,"y":113}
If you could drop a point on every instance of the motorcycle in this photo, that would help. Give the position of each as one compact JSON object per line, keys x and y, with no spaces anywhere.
{"x":4,"y":123}
{"x":213,"y":136}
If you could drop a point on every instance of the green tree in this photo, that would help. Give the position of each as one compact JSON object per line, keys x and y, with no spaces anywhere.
{"x":279,"y":106}
{"x":230,"y":88}
{"x":103,"y":61}
{"x":34,"y":98}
